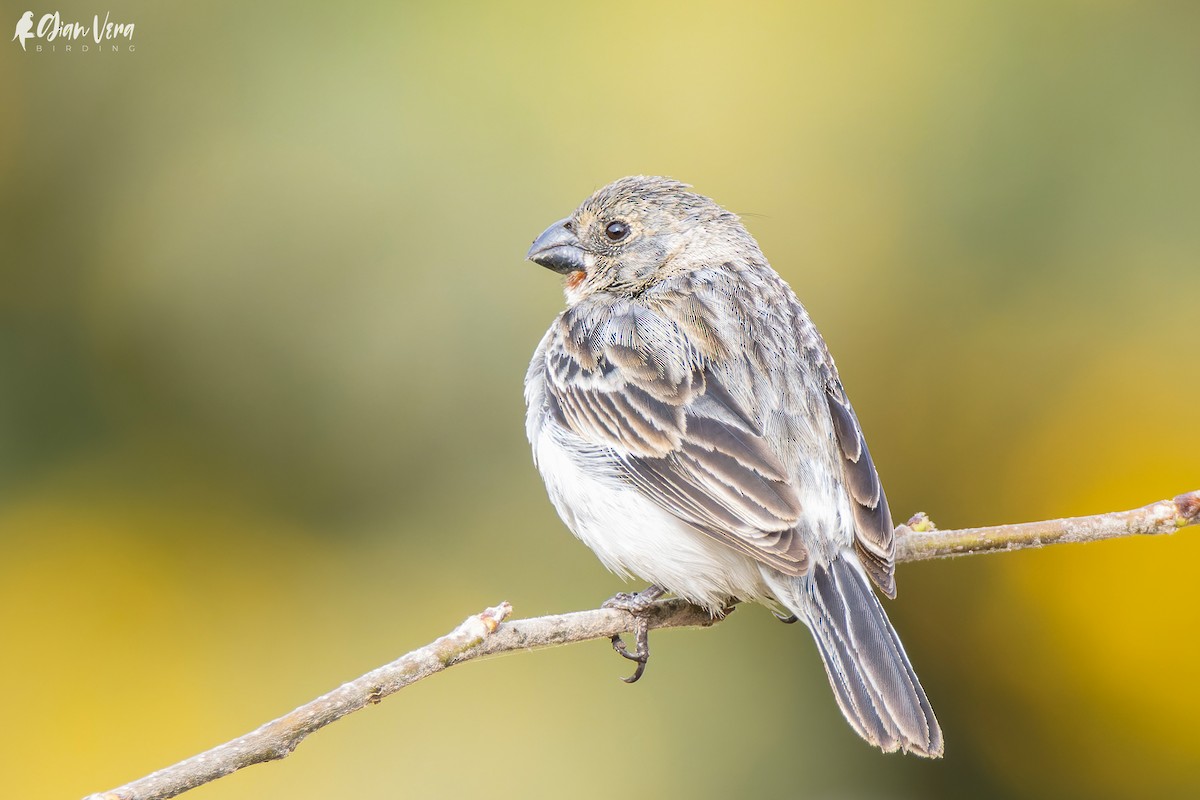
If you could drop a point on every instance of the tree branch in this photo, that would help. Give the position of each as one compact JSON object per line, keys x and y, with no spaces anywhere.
{"x":487,"y":634}
{"x":919,"y":540}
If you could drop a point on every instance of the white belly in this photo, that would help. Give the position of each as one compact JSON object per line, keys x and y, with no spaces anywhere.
{"x":634,"y":537}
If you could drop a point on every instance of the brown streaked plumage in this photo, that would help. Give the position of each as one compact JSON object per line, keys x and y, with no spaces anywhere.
{"x":692,"y":430}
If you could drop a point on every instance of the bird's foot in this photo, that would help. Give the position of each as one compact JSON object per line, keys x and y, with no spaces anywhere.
{"x":634,"y":602}
{"x":637,"y":604}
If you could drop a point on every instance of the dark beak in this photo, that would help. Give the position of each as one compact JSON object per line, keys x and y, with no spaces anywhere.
{"x":557,"y":249}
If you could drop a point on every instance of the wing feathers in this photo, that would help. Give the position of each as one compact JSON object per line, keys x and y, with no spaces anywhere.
{"x":874,"y":536}
{"x":632,"y":382}
{"x":678,"y":435}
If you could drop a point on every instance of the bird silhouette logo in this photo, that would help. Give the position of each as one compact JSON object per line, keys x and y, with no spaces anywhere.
{"x":24,"y":29}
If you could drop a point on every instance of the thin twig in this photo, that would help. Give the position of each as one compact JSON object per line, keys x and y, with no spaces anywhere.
{"x":1166,"y":516}
{"x":487,"y":633}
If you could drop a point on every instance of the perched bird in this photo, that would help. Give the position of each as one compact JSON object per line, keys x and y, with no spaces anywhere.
{"x":24,"y":29}
{"x":691,"y":429}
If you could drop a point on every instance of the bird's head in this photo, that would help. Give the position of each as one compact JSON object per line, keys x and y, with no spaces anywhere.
{"x":636,"y":232}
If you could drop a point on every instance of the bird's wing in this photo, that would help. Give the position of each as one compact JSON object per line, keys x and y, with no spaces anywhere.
{"x":874,"y":538}
{"x":633,"y":387}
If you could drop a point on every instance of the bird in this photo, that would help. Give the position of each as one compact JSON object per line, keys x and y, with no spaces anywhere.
{"x":24,"y":28}
{"x":691,"y":429}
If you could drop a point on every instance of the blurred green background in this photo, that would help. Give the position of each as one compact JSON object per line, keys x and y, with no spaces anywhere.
{"x":264,"y":320}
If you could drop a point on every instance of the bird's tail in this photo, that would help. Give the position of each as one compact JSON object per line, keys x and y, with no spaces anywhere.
{"x":874,"y":684}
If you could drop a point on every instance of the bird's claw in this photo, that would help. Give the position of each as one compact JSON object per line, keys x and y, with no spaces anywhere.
{"x":634,"y":602}
{"x":790,"y":619}
{"x":641,"y":633}
{"x":637,"y":604}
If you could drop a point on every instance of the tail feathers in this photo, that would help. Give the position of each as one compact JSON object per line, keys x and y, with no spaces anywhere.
{"x":871,"y":677}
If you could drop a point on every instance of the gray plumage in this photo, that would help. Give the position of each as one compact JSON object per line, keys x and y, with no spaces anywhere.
{"x":692,"y":430}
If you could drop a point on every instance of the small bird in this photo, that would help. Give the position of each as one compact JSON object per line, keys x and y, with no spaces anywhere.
{"x":691,"y":429}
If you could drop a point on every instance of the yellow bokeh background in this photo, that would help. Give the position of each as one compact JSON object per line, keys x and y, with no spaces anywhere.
{"x":264,"y":320}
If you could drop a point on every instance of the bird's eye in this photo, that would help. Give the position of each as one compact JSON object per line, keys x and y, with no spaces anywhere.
{"x":616,"y":231}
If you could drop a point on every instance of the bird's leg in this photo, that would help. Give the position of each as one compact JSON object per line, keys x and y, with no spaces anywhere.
{"x":636,"y":603}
